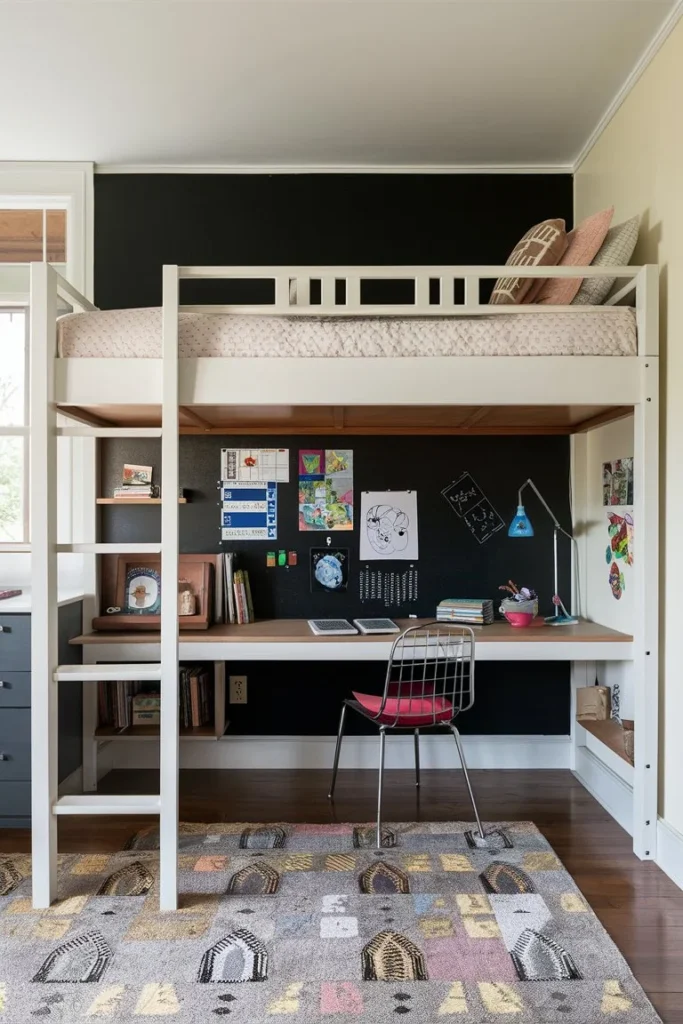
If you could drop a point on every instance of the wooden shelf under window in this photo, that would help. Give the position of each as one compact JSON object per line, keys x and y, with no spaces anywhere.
{"x":135,"y":501}
{"x":145,"y":732}
{"x":608,"y":732}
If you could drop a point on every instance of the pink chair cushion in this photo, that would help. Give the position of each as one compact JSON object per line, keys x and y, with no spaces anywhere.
{"x":406,"y":711}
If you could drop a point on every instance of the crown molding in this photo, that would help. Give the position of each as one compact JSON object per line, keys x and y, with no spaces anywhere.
{"x":646,"y":58}
{"x":105,"y":168}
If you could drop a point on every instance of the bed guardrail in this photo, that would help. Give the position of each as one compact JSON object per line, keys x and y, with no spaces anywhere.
{"x":338,"y":291}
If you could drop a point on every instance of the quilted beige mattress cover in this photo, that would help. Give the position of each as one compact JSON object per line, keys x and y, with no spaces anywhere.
{"x":136,"y":334}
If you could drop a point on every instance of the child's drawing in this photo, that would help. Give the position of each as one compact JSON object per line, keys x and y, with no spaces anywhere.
{"x":388,"y":525}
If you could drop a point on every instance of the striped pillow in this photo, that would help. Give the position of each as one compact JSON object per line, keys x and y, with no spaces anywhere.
{"x":542,"y":245}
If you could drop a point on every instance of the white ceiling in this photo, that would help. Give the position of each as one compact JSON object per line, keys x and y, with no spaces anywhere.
{"x":314,"y":83}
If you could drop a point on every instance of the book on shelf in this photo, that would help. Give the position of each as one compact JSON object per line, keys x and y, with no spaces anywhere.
{"x":136,"y":491}
{"x":126,"y":703}
{"x":233,"y":601}
{"x":472,"y":611}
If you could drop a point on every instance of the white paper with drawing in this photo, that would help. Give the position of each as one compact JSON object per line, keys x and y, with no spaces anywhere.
{"x":388,"y":525}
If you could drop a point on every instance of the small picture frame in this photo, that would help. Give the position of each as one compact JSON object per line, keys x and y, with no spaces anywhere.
{"x":143,"y":591}
{"x":136,"y":476}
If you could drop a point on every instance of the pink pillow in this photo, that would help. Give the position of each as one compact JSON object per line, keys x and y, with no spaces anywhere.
{"x":584,"y":242}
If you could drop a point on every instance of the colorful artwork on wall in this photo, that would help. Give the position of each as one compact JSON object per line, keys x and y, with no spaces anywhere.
{"x":325,"y":489}
{"x":617,"y":482}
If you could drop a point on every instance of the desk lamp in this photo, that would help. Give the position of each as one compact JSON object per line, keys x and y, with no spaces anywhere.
{"x":521,"y":527}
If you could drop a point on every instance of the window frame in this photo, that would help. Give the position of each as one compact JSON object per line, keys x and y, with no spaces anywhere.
{"x":66,"y":186}
{"x":23,"y":430}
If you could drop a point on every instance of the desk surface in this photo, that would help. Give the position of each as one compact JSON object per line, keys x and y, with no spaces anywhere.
{"x":269,"y":631}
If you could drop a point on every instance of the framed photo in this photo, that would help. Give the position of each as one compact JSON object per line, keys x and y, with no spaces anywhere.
{"x":137,"y":596}
{"x":143,"y":592}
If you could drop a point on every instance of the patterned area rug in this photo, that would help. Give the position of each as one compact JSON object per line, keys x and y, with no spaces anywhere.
{"x":312,"y":923}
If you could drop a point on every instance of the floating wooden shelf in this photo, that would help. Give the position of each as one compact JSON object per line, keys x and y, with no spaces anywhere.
{"x":608,"y":732}
{"x":135,"y":501}
{"x":145,"y":732}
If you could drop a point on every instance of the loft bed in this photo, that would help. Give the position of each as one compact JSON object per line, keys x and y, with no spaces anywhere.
{"x":429,"y":365}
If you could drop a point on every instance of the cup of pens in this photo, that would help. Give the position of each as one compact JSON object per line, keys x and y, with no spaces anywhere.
{"x":520,"y":608}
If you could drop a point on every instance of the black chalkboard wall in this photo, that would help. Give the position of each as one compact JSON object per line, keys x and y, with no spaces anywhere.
{"x":145,"y":220}
{"x":451,"y":562}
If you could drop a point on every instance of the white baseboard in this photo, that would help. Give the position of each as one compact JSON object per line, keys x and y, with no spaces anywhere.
{"x":670,"y":851}
{"x":254,"y":752}
{"x":608,"y":788}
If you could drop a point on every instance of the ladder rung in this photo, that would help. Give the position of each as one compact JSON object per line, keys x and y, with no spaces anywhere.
{"x":102,"y":804}
{"x":109,"y":549}
{"x":123,"y":432}
{"x":143,"y":672}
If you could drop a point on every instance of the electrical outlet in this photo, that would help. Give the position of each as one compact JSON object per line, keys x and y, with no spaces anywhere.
{"x":238,"y":689}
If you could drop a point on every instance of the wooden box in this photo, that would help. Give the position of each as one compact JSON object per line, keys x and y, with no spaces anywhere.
{"x":198,"y":570}
{"x":593,"y":703}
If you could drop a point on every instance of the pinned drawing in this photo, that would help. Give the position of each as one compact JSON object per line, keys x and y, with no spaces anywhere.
{"x":616,"y":581}
{"x":470,"y":504}
{"x":329,"y":569}
{"x":388,"y":525}
{"x":617,"y":482}
{"x":620,"y":531}
{"x":326,"y":489}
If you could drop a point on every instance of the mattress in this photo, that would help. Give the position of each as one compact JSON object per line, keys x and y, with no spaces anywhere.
{"x":136,"y":334}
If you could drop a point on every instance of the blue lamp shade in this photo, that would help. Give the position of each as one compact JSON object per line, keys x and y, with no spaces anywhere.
{"x":521,"y":524}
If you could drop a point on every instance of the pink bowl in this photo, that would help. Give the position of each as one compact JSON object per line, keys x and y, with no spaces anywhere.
{"x":519,"y":619}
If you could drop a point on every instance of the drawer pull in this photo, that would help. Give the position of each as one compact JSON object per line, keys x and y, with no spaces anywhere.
{"x":2,"y":683}
{"x":5,"y":629}
{"x":4,"y":757}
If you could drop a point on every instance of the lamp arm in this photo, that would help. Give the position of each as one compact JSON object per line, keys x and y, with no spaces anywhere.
{"x":560,"y":529}
{"x":546,"y":506}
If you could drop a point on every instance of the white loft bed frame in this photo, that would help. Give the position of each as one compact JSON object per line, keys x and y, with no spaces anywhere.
{"x":170,"y":383}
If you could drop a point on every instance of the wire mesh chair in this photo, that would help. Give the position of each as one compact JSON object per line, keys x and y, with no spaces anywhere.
{"x":429,"y":682}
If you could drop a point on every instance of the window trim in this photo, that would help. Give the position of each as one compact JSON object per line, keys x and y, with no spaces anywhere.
{"x":38,"y":184}
{"x":24,"y":430}
{"x":68,"y":184}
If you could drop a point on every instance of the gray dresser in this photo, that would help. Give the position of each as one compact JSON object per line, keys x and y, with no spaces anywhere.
{"x":15,"y":711}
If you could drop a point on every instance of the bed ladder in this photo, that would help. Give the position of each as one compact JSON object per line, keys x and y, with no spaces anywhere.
{"x":47,"y":673}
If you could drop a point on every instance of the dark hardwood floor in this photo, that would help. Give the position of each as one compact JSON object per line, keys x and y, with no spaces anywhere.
{"x":638,"y":905}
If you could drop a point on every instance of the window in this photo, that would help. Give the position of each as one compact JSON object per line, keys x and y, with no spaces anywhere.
{"x":13,"y":425}
{"x":46,"y":214}
{"x":29,"y":232}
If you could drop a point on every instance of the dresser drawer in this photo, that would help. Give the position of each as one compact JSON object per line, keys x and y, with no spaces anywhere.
{"x":15,"y":745}
{"x":15,"y":643}
{"x":15,"y":689}
{"x":15,"y":801}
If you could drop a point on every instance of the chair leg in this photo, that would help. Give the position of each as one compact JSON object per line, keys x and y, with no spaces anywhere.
{"x":382,"y":739}
{"x":461,"y":755}
{"x":337,"y":751}
{"x":417,"y":757}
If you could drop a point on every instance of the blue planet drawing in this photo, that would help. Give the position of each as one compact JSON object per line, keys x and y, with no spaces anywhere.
{"x":328,"y":572}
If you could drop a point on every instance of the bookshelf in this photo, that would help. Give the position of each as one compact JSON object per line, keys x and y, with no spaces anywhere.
{"x":135,"y":501}
{"x":212,"y":731}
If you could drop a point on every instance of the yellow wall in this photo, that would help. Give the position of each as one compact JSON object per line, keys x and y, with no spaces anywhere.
{"x":637,"y":166}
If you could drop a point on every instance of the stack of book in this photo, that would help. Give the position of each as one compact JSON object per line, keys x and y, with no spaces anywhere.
{"x":476,"y":611}
{"x":125,"y":704}
{"x":114,"y":702}
{"x":136,"y":491}
{"x":232,"y":598}
{"x":146,"y":709}
{"x":196,"y":698}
